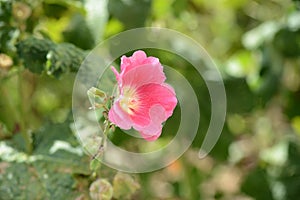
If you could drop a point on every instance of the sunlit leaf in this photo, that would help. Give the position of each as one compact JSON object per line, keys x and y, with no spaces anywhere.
{"x":257,"y":36}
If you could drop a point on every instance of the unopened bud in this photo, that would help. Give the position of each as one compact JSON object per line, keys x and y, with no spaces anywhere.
{"x":101,"y":189}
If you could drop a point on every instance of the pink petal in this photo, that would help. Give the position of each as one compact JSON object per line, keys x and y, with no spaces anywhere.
{"x":153,"y":136}
{"x":144,"y":74}
{"x":169,"y":87}
{"x":125,"y":63}
{"x":152,"y":60}
{"x":118,"y":117}
{"x":137,"y":59}
{"x":118,"y":77}
{"x":139,"y":69}
{"x":150,"y":95}
{"x":153,"y":130}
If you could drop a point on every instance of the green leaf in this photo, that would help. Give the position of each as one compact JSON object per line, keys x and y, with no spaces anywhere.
{"x":41,"y":55}
{"x":240,"y":98}
{"x":296,"y":124}
{"x":179,"y":6}
{"x":290,"y":176}
{"x":8,"y":33}
{"x":132,"y":13}
{"x":161,"y":8}
{"x":269,"y":75}
{"x":259,"y":35}
{"x":78,"y":33}
{"x":56,"y":142}
{"x":49,"y":172}
{"x":241,"y":64}
{"x":288,"y":47}
{"x":20,"y":182}
{"x":34,"y":51}
{"x":257,"y":186}
{"x":36,"y":181}
{"x":63,"y":58}
{"x":5,"y":11}
{"x":291,"y":108}
{"x":53,"y":10}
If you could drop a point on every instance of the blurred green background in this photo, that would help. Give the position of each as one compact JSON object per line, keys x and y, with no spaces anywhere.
{"x":256,"y":45}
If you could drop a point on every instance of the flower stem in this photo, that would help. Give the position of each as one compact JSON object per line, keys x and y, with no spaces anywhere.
{"x":25,"y":133}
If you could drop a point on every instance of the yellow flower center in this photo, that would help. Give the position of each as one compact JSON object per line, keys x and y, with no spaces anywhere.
{"x":129,"y":100}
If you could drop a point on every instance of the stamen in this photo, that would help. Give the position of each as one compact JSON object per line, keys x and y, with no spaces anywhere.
{"x":129,"y":100}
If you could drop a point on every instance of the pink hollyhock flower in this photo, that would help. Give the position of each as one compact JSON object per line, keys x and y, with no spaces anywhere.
{"x":144,"y":101}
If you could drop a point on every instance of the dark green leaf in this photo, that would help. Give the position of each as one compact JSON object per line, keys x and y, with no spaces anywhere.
{"x":34,"y":53}
{"x":179,"y":6}
{"x":288,"y":47}
{"x":54,"y":10}
{"x":44,"y":55}
{"x":240,"y":98}
{"x":290,"y":176}
{"x":257,"y":186}
{"x":78,"y":33}
{"x":63,"y":58}
{"x":131,"y":13}
{"x":291,"y":108}
{"x":5,"y":11}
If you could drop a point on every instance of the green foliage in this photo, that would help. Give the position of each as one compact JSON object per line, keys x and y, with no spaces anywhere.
{"x":54,"y":10}
{"x":8,"y":33}
{"x":46,"y":174}
{"x":78,"y":33}
{"x":290,"y":175}
{"x":139,"y":11}
{"x":42,"y":55}
{"x":290,"y":48}
{"x":246,"y":101}
{"x":36,"y":181}
{"x":34,"y":52}
{"x":257,"y":186}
